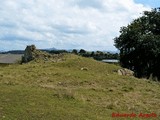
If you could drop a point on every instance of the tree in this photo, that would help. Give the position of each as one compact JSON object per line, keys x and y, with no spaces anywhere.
{"x":82,"y":51}
{"x":139,"y":44}
{"x":74,"y":51}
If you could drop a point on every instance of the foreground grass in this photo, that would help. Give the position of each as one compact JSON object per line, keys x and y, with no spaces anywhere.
{"x":61,"y":90}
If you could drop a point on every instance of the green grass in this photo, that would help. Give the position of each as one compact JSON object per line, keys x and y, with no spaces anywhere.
{"x":62,"y":91}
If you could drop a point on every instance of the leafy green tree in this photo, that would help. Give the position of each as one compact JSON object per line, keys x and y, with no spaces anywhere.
{"x":82,"y":51}
{"x":139,"y":44}
{"x":92,"y":54}
{"x":74,"y":51}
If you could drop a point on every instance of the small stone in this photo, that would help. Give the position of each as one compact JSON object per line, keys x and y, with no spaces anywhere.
{"x":125,"y":72}
{"x":85,"y":69}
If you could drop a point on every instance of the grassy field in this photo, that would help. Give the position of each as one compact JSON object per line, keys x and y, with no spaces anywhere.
{"x":63,"y":91}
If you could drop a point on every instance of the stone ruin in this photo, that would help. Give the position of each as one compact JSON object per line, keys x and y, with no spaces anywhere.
{"x":28,"y":53}
{"x":31,"y":53}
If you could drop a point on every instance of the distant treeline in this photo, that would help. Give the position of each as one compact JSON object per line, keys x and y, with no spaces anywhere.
{"x":98,"y":55}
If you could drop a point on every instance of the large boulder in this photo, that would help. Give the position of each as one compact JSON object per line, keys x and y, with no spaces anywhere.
{"x":125,"y":72}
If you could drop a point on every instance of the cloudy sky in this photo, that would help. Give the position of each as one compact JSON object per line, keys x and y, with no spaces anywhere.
{"x":66,"y":24}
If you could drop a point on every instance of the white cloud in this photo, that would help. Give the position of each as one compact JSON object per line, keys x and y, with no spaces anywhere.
{"x":88,"y":24}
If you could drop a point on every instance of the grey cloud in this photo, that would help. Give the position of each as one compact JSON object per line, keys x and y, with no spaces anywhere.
{"x":14,"y":37}
{"x":7,"y":25}
{"x":90,"y":3}
{"x":71,"y":30}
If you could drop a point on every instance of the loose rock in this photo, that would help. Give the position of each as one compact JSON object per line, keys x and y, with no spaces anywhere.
{"x":125,"y":72}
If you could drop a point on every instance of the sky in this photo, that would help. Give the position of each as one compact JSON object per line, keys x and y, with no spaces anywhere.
{"x":66,"y":24}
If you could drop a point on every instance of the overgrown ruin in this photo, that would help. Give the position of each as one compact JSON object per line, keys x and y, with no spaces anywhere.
{"x":31,"y":53}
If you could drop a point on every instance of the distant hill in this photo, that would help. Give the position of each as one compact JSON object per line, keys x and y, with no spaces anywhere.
{"x":13,"y":52}
{"x":22,"y":51}
{"x":49,"y":49}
